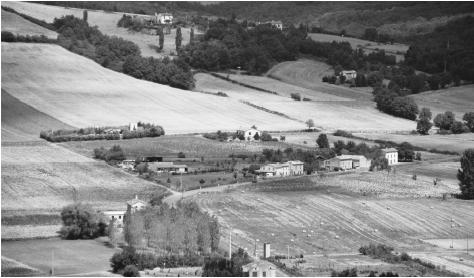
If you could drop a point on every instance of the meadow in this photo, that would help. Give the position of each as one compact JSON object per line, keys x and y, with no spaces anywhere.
{"x":330,"y":115}
{"x":87,"y":94}
{"x":71,"y":257}
{"x":396,"y":49}
{"x":107,"y":23}
{"x":20,"y":26}
{"x":458,"y":100}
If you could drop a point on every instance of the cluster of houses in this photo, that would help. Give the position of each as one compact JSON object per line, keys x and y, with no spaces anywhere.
{"x":117,"y":216}
{"x":290,"y":168}
{"x":157,"y":18}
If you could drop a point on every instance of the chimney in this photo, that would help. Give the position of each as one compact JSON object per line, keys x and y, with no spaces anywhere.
{"x":136,"y":197}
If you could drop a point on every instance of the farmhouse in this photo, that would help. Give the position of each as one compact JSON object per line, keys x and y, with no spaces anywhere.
{"x":290,"y":168}
{"x":128,"y":164}
{"x":135,"y":204}
{"x":259,"y":269}
{"x":164,"y":18}
{"x":167,"y":167}
{"x":116,"y":216}
{"x":349,"y":74}
{"x":347,"y":162}
{"x":391,"y":154}
{"x":250,"y":134}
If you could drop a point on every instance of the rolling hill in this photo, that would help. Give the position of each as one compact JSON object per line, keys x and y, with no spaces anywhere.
{"x":17,"y":25}
{"x":81,"y":93}
{"x":107,"y":23}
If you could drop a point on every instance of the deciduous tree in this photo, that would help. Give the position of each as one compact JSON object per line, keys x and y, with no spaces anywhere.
{"x":466,"y":174}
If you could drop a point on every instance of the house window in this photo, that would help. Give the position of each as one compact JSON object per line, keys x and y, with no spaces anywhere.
{"x":120,"y":217}
{"x":264,"y":274}
{"x":113,"y":217}
{"x":254,"y":274}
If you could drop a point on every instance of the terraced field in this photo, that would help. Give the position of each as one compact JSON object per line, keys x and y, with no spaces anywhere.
{"x":18,"y":25}
{"x":330,"y":115}
{"x":107,"y":23}
{"x":82,"y":94}
{"x":331,"y":219}
{"x":458,"y":100}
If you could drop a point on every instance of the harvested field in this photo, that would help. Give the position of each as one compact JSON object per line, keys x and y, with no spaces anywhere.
{"x":338,"y":221}
{"x":331,"y":115}
{"x":453,"y":142}
{"x":396,"y":49}
{"x":14,"y":268}
{"x":299,"y":138}
{"x":18,"y":232}
{"x":70,"y":256}
{"x":107,"y":23}
{"x":444,"y":170}
{"x":87,"y":94}
{"x":458,"y":100}
{"x":20,"y":26}
{"x":309,"y":73}
{"x":22,"y":122}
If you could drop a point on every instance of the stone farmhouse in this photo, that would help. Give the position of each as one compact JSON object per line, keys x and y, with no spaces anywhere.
{"x":128,"y":164}
{"x":135,"y":204}
{"x":259,"y":268}
{"x":391,"y":154}
{"x":290,"y":168}
{"x":163,"y":18}
{"x":347,"y":162}
{"x":118,"y":215}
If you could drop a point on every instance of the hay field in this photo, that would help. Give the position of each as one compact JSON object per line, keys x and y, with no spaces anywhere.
{"x":71,"y":257}
{"x":107,"y":23}
{"x":18,"y":25}
{"x":330,"y":115}
{"x":82,"y":93}
{"x":458,"y":100}
{"x":309,"y":73}
{"x":396,"y":49}
{"x":332,"y":219}
{"x":453,"y":142}
{"x":299,"y":138}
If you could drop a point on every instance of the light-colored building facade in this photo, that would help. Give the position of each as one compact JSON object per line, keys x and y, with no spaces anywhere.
{"x":347,"y":162}
{"x":116,"y":216}
{"x":259,"y":269}
{"x":290,"y":168}
{"x":167,"y":167}
{"x":391,"y":154}
{"x":164,"y":18}
{"x":128,"y":164}
{"x":250,"y":134}
{"x":349,"y":74}
{"x":135,"y":204}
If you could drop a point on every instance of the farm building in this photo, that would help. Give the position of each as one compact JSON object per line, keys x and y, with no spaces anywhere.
{"x":349,"y":74}
{"x":250,"y":134}
{"x":259,"y":269}
{"x":116,"y":216}
{"x":135,"y":204}
{"x":347,"y":162}
{"x":391,"y":154}
{"x":164,"y":18}
{"x":290,"y":168}
{"x":167,"y":167}
{"x":128,"y":164}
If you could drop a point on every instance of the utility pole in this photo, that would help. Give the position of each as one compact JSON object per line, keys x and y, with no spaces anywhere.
{"x":52,"y":262}
{"x":288,"y":254}
{"x":230,"y":244}
{"x":181,"y":182}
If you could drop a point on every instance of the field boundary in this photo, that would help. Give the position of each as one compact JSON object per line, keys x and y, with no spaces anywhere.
{"x":242,"y":84}
{"x":269,"y":111}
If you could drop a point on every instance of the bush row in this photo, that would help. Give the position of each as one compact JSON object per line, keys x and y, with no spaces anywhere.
{"x":10,"y":37}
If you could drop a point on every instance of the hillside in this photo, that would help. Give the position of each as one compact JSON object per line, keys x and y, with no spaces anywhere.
{"x":18,"y":25}
{"x":87,"y":94}
{"x":458,"y":100}
{"x":107,"y":23}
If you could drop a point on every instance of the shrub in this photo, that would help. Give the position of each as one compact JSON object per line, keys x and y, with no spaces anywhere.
{"x":306,"y":99}
{"x":131,"y":271}
{"x":296,"y":96}
{"x":181,"y":155}
{"x":343,"y":133}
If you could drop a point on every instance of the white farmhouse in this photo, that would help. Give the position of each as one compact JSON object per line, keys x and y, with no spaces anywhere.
{"x":290,"y":168}
{"x":349,"y":74}
{"x":250,"y":134}
{"x":116,"y":216}
{"x":391,"y":154}
{"x":135,"y":204}
{"x":164,"y":18}
{"x":347,"y":162}
{"x":128,"y":164}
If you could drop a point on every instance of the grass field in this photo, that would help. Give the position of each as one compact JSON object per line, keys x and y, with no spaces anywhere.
{"x":458,"y":100}
{"x":84,"y":94}
{"x":309,"y":73}
{"x":107,"y":23}
{"x":18,"y":25}
{"x":299,"y":138}
{"x":70,"y":256}
{"x":14,"y":268}
{"x":396,"y":49}
{"x":454,"y":142}
{"x":331,"y":115}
